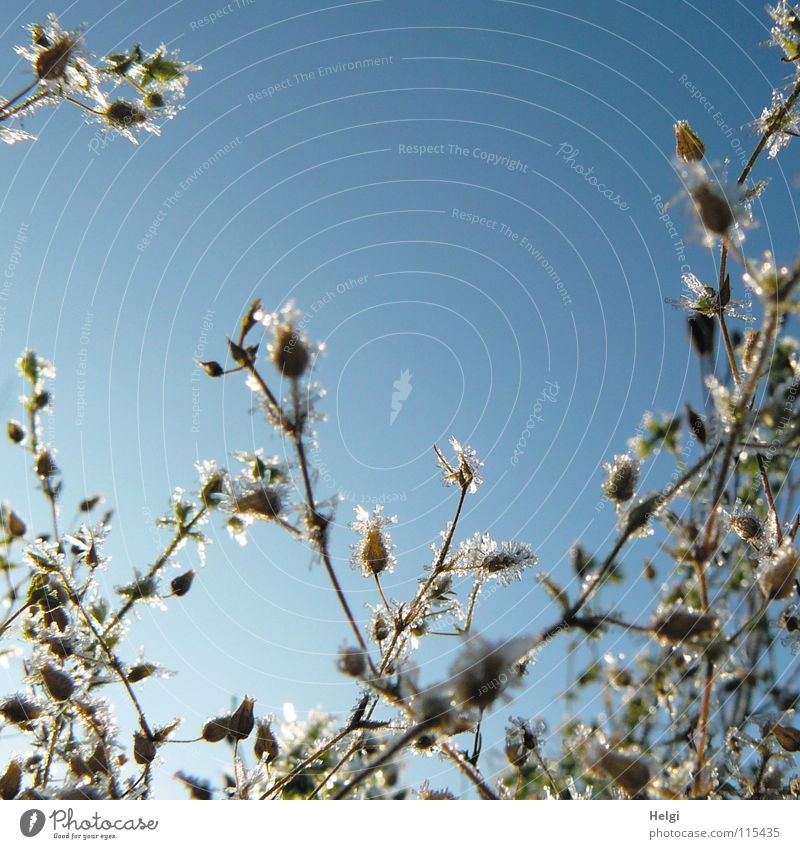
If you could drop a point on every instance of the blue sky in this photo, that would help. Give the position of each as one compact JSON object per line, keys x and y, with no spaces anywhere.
{"x":487,"y":266}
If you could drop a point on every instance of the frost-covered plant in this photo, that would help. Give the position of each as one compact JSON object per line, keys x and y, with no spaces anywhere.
{"x":703,"y":709}
{"x":126,"y":93}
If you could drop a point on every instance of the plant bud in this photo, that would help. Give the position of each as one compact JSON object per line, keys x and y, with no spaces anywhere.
{"x":788,"y":737}
{"x":45,"y":466}
{"x":19,"y":710}
{"x":88,"y":504}
{"x":140,"y":671}
{"x":243,"y":721}
{"x":12,"y":525}
{"x":211,"y":367}
{"x":688,"y":145}
{"x":374,"y":555}
{"x":216,"y":729}
{"x":623,"y":475}
{"x":154,"y":100}
{"x":681,"y":624}
{"x":11,"y":780}
{"x":746,"y":526}
{"x":182,"y":583}
{"x":289,"y":354}
{"x":144,"y":749}
{"x":15,"y":431}
{"x":713,"y":209}
{"x":122,"y":114}
{"x":649,"y":570}
{"x":352,"y":662}
{"x":379,"y":629}
{"x":58,"y":684}
{"x":776,"y":577}
{"x":266,"y":746}
{"x":98,"y":760}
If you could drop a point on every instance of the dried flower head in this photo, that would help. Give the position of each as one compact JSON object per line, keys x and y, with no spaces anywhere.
{"x":622,"y":478}
{"x":681,"y":624}
{"x":266,"y":747}
{"x":482,"y":557}
{"x":464,"y":471}
{"x":484,"y":670}
{"x":688,"y":145}
{"x":291,"y":350}
{"x":777,"y":573}
{"x":352,"y":661}
{"x":373,"y":553}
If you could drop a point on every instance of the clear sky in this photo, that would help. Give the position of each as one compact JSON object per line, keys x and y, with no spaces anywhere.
{"x":431,"y":210}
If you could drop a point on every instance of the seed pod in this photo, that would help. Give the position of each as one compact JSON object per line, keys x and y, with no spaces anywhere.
{"x":79,"y":768}
{"x":788,"y":737}
{"x":266,"y":746}
{"x":59,"y":685}
{"x":51,"y":64}
{"x":98,"y":760}
{"x":154,"y":100}
{"x":45,"y":465}
{"x":351,"y":662}
{"x":776,"y":577}
{"x":289,"y":354}
{"x":15,"y":432}
{"x":790,"y":621}
{"x":181,"y":584}
{"x":629,"y":773}
{"x":11,"y":780}
{"x":688,"y":145}
{"x":19,"y":710}
{"x":216,"y":729}
{"x":623,"y":475}
{"x":713,"y":209}
{"x":681,"y":624}
{"x":144,"y":749}
{"x":13,"y":526}
{"x":379,"y":628}
{"x":122,"y":114}
{"x":374,"y":555}
{"x":649,"y":570}
{"x":211,"y":367}
{"x":243,"y":721}
{"x":140,"y":671}
{"x":746,"y":526}
{"x":264,"y":503}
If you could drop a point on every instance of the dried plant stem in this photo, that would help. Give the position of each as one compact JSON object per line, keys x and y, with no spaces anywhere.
{"x":179,"y":536}
{"x":723,"y":326}
{"x":422,"y":592}
{"x":762,"y":468}
{"x":397,"y":746}
{"x":113,"y":660}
